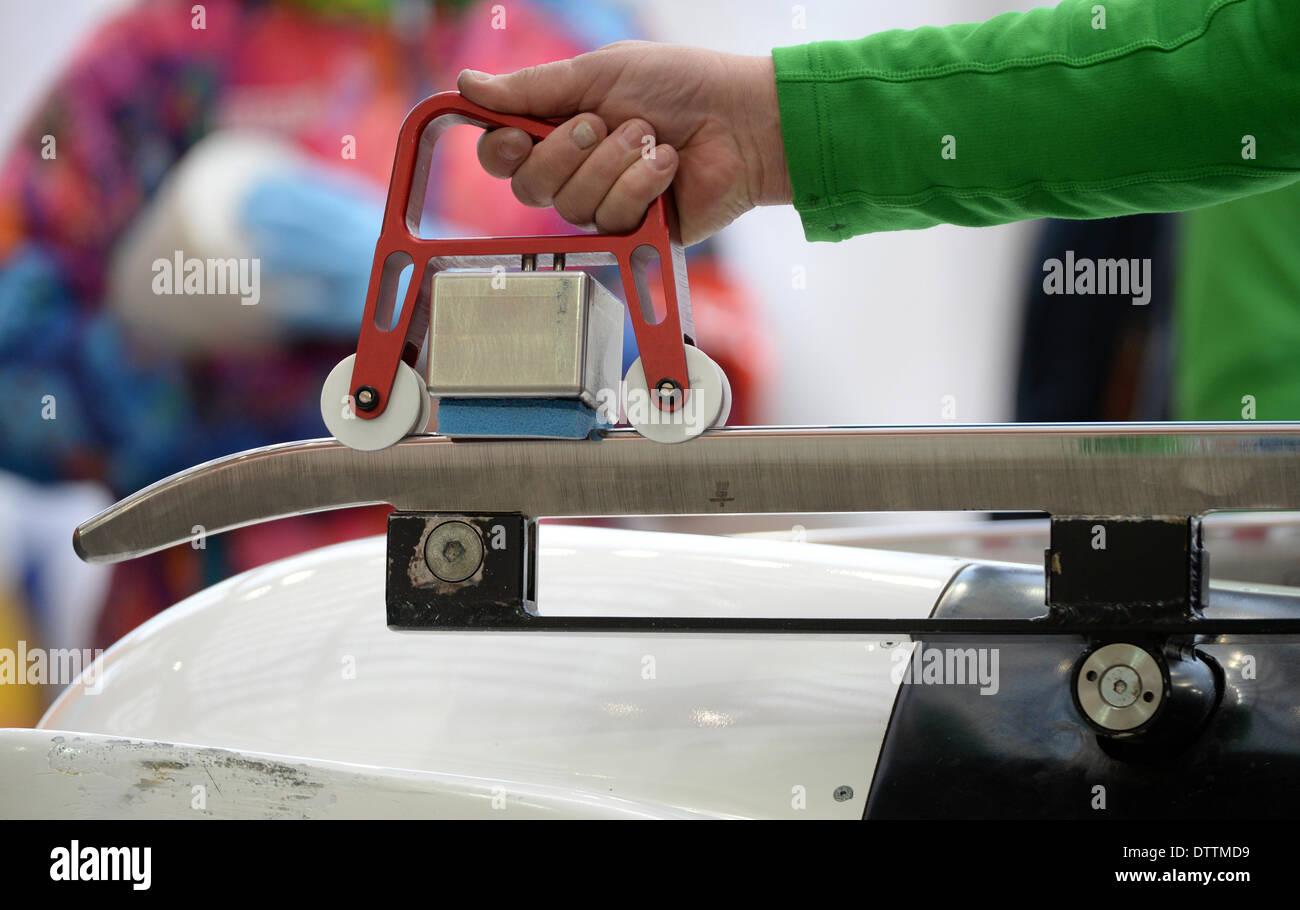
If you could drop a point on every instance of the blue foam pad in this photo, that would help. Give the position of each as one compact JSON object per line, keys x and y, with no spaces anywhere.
{"x":546,"y":418}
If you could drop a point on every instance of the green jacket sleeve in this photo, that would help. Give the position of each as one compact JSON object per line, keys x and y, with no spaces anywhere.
{"x":1091,"y":109}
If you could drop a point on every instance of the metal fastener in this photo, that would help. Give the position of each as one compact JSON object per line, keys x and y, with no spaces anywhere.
{"x":366,"y":398}
{"x":670,"y":392}
{"x":1119,"y":687}
{"x":453,"y":551}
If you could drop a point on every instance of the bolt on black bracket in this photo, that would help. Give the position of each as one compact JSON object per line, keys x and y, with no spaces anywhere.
{"x":459,"y":572}
{"x":1132,"y":570}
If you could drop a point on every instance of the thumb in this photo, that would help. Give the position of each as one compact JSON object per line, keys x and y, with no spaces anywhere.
{"x":549,"y":90}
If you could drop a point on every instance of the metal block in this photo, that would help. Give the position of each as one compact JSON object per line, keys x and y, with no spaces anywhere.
{"x":524,"y":335}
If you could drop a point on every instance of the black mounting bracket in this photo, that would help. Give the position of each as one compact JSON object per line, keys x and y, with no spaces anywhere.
{"x":459,"y":572}
{"x":477,"y":572}
{"x":1125,"y":570}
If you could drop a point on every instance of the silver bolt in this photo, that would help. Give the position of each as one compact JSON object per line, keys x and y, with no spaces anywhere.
{"x":453,"y":551}
{"x":843,"y":793}
{"x":669,"y":393}
{"x":1120,"y":686}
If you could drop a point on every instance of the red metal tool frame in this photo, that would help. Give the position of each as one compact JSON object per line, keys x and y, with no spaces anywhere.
{"x":380,"y":348}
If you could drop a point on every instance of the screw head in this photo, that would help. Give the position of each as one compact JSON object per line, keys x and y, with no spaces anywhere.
{"x":366,"y":398}
{"x":669,"y":392}
{"x":1120,"y":686}
{"x":843,"y":793}
{"x":453,"y":551}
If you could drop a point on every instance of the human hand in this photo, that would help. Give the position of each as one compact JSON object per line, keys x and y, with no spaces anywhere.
{"x":642,"y":116}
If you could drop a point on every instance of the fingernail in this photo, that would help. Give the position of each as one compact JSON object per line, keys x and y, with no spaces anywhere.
{"x":633,"y":134}
{"x":476,"y":75}
{"x":515,"y":149}
{"x":660,"y":161}
{"x":584,"y":137}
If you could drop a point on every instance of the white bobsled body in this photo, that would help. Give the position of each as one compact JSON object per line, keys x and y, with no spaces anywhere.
{"x":283,"y":692}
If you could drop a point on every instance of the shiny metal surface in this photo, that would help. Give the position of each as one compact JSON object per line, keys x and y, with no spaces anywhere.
{"x":1064,"y":469}
{"x":1120,"y":686}
{"x":524,"y":335}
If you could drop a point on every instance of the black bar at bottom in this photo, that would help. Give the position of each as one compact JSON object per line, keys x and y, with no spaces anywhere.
{"x":514,"y":620}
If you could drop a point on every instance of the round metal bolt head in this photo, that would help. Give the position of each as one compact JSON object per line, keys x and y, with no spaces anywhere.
{"x":453,"y":551}
{"x":669,"y":393}
{"x":366,"y":398}
{"x":1120,"y":686}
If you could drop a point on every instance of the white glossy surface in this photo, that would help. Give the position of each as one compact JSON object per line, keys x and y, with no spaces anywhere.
{"x":295,"y":659}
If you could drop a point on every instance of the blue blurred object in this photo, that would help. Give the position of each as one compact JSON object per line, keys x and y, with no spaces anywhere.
{"x":144,"y":413}
{"x":593,"y":22}
{"x":57,"y":360}
{"x":38,"y":319}
{"x":45,"y":421}
{"x":315,"y":232}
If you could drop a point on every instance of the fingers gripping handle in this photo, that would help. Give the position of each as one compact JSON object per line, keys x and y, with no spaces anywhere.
{"x":382,"y":343}
{"x":421,"y":130}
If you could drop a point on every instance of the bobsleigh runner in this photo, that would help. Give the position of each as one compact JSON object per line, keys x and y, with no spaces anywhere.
{"x":598,"y":672}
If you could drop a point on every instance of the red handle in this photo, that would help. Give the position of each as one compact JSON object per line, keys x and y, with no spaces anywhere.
{"x":380,"y":348}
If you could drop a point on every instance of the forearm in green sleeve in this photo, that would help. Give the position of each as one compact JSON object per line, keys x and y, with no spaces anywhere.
{"x":1173,"y":105}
